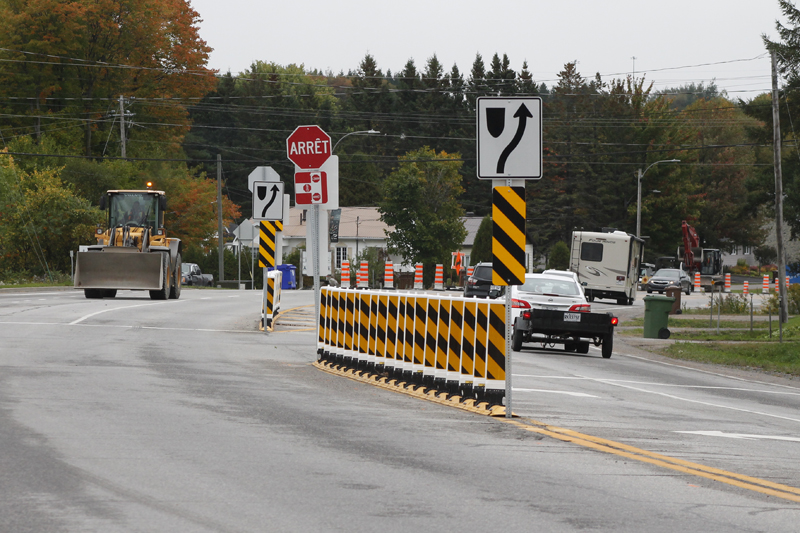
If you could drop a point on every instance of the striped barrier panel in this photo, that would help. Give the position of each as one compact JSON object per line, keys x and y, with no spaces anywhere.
{"x":728,"y":282}
{"x":765,"y":285}
{"x":418,"y":276}
{"x":697,"y":281}
{"x":450,"y":344}
{"x":438,"y":280}
{"x":273,"y":303}
{"x":746,"y":288}
{"x":363,"y":275}
{"x":345,"y":274}
{"x":470,"y":270}
{"x":388,"y":275}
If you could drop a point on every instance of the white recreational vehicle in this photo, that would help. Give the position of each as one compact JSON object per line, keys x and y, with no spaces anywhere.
{"x":607,"y":264}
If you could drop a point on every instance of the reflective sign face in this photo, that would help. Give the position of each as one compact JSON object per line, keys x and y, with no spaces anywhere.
{"x":310,"y":188}
{"x":509,"y":133}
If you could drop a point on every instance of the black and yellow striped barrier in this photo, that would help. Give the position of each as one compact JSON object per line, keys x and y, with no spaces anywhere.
{"x":449,"y":344}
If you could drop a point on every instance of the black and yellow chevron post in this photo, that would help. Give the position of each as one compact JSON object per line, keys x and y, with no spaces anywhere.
{"x":420,"y":312}
{"x":363,"y":328}
{"x":481,"y":337}
{"x":467,"y":377}
{"x":341,"y":304}
{"x":496,"y":349}
{"x":380,"y":344}
{"x":350,"y":332}
{"x":442,"y":338}
{"x":392,"y":340}
{"x":508,"y":235}
{"x":266,"y":244}
{"x":454,"y":350}
{"x":373,"y":330}
{"x":333,"y":321}
{"x":322,"y":329}
{"x":430,"y":338}
{"x":408,"y":350}
{"x":269,"y":312}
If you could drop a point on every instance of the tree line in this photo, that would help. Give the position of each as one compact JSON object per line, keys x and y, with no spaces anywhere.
{"x":71,"y":72}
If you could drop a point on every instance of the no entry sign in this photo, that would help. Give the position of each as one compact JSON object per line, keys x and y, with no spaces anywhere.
{"x":308,"y":147}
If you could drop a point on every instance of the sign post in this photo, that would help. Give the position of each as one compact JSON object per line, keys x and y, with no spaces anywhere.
{"x":309,"y":148}
{"x":509,"y":149}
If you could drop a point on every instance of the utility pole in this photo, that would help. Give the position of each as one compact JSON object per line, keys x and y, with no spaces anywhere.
{"x":122,"y":125}
{"x":219,"y":219}
{"x":776,"y":141}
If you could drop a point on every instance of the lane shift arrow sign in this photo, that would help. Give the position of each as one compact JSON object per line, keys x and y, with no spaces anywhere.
{"x":523,"y":115}
{"x":262,"y":193}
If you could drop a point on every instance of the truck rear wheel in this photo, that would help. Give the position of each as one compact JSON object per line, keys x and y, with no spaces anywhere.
{"x":175,"y":290}
{"x":516,"y":340}
{"x":608,"y":345}
{"x":162,"y":293}
{"x":93,"y":293}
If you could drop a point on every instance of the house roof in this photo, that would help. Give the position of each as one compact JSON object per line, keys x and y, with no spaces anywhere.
{"x":361,"y":222}
{"x":471,"y":224}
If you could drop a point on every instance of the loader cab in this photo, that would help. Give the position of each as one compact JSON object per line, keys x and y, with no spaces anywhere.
{"x":134,"y":208}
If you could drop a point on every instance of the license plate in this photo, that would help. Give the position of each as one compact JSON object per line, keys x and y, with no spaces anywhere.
{"x":572,"y":317}
{"x":496,"y":288}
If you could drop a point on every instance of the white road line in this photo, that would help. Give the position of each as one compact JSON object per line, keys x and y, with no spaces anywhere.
{"x":123,"y":326}
{"x":654,"y":384}
{"x":578,"y":394}
{"x":90,"y":315}
{"x":699,"y":402}
{"x":206,"y":298}
{"x":743,"y":436}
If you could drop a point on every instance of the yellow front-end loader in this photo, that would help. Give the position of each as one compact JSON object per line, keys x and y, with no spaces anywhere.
{"x":134,"y":252}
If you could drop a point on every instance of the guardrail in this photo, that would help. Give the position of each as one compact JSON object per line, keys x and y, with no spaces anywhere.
{"x":451,"y":344}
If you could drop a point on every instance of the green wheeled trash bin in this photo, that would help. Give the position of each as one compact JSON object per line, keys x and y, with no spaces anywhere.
{"x":656,"y":316}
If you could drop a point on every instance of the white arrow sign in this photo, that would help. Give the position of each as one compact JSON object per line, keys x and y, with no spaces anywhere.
{"x":268,"y":200}
{"x":509,"y":137}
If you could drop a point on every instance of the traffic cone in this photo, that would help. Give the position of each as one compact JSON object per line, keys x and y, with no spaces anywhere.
{"x":728,"y":282}
{"x":765,"y":285}
{"x":746,"y":288}
{"x":388,"y":275}
{"x":345,"y":274}
{"x":363,"y":277}
{"x":438,"y":280}
{"x":787,"y":282}
{"x":418,"y":276}
{"x":697,"y":281}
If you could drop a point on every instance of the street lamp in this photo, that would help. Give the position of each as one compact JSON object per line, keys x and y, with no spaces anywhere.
{"x":370,"y":132}
{"x":639,"y":193}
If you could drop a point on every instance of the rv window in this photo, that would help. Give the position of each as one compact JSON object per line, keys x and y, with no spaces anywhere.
{"x":591,"y":251}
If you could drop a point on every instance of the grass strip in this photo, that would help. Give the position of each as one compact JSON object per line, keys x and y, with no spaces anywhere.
{"x":777,"y":357}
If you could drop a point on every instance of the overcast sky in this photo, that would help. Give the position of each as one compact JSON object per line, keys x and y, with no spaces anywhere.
{"x":673,"y":42}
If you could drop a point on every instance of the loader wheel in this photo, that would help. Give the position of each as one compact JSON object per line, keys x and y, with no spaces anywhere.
{"x":164,"y":291}
{"x":93,"y":293}
{"x":175,"y":289}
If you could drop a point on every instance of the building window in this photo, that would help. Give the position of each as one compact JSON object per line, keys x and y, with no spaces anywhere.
{"x":341,"y":255}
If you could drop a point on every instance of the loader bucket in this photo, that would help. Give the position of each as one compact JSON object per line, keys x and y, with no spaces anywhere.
{"x":119,"y":268}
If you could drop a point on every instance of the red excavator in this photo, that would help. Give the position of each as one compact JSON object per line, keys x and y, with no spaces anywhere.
{"x":707,"y":261}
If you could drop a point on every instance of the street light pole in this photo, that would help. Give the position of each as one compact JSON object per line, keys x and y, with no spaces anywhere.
{"x":639,"y":193}
{"x":369,"y":132}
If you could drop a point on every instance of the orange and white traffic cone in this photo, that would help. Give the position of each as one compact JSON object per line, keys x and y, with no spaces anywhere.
{"x":363,"y":276}
{"x":746,"y":289}
{"x":438,"y":280}
{"x":418,"y":276}
{"x":765,"y":285}
{"x":728,"y":282}
{"x":388,"y":275}
{"x":345,"y":274}
{"x":697,"y":281}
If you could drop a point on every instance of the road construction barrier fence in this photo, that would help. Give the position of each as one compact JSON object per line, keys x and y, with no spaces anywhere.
{"x":453,"y":345}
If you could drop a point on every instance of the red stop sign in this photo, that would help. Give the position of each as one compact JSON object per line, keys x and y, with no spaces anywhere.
{"x":308,"y":147}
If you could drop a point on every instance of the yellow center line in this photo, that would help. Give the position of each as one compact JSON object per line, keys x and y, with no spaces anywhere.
{"x":778,"y":490}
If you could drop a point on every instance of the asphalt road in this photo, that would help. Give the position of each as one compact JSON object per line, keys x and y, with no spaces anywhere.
{"x":133,"y":415}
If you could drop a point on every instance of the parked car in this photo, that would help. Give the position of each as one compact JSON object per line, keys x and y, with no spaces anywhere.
{"x":667,"y":278}
{"x":556,"y":290}
{"x":192,"y":275}
{"x":479,"y":284}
